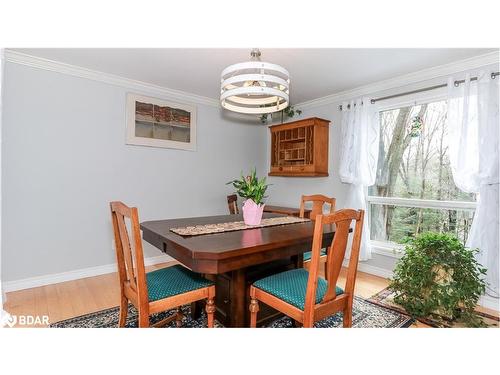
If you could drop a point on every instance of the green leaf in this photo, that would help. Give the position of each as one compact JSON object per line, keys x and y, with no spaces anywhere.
{"x":437,"y":273}
{"x":250,"y":187}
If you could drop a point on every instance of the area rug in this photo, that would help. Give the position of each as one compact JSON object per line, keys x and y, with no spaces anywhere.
{"x":365,"y":315}
{"x":385,"y":298}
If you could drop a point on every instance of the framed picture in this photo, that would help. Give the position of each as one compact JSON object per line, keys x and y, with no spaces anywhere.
{"x":158,"y":123}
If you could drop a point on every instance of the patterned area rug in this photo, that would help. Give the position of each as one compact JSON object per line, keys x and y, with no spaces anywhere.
{"x":236,"y":225}
{"x":365,"y":315}
{"x":385,"y":298}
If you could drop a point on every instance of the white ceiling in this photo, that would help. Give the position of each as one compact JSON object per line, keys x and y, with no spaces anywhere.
{"x":314,"y":72}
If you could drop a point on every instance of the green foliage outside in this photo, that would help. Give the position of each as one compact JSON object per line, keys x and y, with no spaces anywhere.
{"x":439,"y":276}
{"x":250,"y":187}
{"x":414,"y":163}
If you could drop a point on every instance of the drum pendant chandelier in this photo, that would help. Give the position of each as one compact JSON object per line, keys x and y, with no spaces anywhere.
{"x":254,"y":87}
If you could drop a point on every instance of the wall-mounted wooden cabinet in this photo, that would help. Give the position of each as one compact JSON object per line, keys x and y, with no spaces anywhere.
{"x":300,"y":148}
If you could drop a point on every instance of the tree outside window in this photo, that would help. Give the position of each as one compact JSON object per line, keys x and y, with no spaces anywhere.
{"x":414,"y":190}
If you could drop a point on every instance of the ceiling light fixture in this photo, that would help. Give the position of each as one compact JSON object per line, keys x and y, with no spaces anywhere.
{"x":254,"y":87}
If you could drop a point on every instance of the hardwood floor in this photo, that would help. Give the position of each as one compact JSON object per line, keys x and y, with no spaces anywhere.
{"x":73,"y":298}
{"x":68,"y":299}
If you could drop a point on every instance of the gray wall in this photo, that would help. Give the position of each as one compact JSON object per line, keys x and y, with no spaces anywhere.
{"x":64,"y":158}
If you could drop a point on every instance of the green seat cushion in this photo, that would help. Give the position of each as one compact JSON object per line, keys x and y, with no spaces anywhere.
{"x":290,"y":286}
{"x":308,"y":255}
{"x":171,"y":281}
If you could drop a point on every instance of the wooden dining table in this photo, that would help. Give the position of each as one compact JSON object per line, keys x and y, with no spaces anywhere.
{"x":291,"y":211}
{"x":235,"y":259}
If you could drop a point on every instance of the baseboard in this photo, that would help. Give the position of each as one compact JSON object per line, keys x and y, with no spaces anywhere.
{"x":33,"y":282}
{"x":490,"y":302}
{"x":372,"y":270}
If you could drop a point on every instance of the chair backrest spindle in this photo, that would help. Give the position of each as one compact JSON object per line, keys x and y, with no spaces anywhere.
{"x":232,"y":203}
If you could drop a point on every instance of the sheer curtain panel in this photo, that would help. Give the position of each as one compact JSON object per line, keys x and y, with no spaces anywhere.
{"x":473,"y":125}
{"x":1,"y":96}
{"x":360,"y":132}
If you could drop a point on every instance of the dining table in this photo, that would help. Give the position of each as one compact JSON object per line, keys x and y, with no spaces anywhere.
{"x":291,"y":211}
{"x":235,"y":259}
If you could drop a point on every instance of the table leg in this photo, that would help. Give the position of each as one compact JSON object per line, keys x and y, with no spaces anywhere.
{"x":238,"y":296}
{"x":298,"y":260}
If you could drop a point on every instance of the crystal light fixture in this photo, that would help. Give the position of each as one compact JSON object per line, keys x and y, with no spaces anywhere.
{"x":254,"y":87}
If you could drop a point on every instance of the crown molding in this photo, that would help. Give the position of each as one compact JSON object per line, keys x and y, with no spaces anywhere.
{"x":111,"y":79}
{"x":400,"y":81}
{"x":406,"y":79}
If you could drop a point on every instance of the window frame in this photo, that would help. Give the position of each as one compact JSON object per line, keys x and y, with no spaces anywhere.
{"x":392,"y":249}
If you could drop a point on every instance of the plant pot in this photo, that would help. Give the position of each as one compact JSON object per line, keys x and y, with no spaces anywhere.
{"x":252,"y":212}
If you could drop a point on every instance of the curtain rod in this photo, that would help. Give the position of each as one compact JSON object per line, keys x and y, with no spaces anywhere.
{"x":456,"y":83}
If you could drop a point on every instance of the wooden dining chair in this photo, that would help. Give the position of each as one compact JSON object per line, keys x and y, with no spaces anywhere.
{"x":318,"y":205}
{"x":303,"y":295}
{"x":155,"y":291}
{"x":232,"y":203}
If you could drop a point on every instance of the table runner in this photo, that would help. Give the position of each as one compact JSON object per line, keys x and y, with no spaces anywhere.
{"x":235,"y":225}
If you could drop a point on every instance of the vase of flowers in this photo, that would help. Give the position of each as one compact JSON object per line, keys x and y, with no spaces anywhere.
{"x":253,"y":190}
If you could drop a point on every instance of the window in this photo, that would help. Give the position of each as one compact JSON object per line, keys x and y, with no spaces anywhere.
{"x":414,"y":190}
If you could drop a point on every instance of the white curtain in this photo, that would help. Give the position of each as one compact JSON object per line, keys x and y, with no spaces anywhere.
{"x":1,"y":90}
{"x":359,"y":145}
{"x":473,"y":125}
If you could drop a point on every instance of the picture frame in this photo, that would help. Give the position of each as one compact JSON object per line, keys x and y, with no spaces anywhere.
{"x":156,"y":122}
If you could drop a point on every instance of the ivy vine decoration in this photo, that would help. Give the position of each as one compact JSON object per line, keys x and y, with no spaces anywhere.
{"x":438,"y":276}
{"x":416,"y":126}
{"x":288,"y":112}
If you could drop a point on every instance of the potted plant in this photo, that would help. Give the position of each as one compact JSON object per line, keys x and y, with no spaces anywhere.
{"x":438,"y":275}
{"x":252,"y":189}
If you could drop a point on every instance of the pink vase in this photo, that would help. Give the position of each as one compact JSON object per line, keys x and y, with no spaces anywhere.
{"x":252,"y":212}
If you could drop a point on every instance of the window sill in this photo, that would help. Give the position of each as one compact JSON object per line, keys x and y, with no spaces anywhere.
{"x":387,"y":249}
